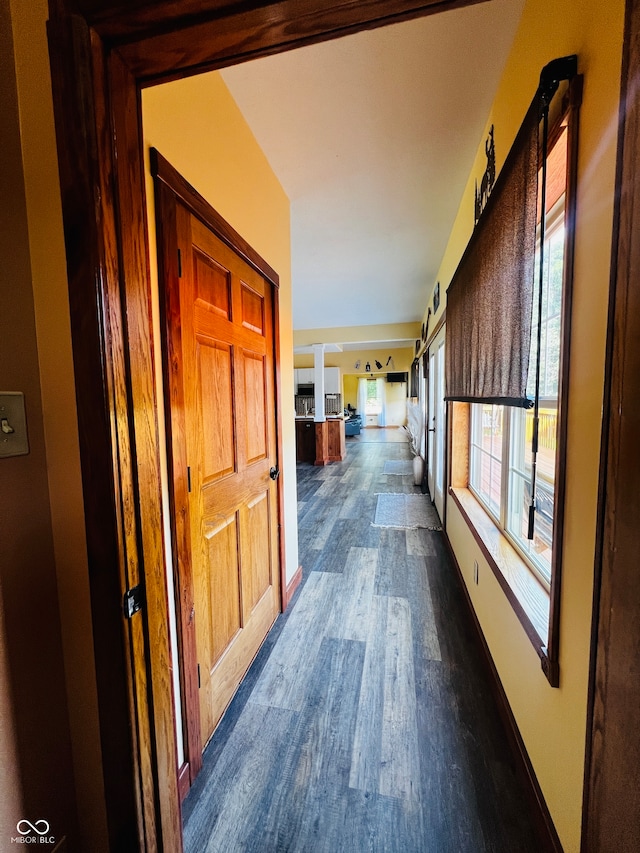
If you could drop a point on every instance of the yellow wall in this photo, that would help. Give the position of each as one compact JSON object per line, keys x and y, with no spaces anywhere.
{"x":553,"y":721}
{"x":350,"y":390}
{"x":197,"y":126}
{"x":395,"y":401}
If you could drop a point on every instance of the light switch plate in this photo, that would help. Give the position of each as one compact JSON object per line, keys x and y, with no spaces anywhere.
{"x":13,"y":424}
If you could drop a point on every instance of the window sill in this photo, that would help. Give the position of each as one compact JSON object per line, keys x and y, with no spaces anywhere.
{"x":527,"y":596}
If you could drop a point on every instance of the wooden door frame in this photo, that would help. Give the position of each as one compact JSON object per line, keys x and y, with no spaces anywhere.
{"x":172,"y":189}
{"x":431,"y":342}
{"x":611,"y":813}
{"x":102,"y":54}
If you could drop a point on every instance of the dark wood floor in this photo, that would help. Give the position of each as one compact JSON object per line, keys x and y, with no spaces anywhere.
{"x":366,"y":722}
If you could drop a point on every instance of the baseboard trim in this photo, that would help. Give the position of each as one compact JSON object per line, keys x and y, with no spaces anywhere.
{"x":291,"y":588}
{"x":542,"y":815}
{"x":184,"y":781}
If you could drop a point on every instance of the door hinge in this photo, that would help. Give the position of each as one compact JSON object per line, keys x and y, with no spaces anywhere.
{"x":133,"y":601}
{"x":188,"y":478}
{"x":179,"y":264}
{"x":198,"y":676}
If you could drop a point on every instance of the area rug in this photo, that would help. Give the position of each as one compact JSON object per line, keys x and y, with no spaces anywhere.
{"x":398,"y":466}
{"x":405,"y":511}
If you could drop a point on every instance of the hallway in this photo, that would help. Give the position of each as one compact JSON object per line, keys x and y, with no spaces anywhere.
{"x":366,"y":722}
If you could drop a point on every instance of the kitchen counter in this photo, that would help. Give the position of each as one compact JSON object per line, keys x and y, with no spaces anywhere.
{"x":320,"y":442}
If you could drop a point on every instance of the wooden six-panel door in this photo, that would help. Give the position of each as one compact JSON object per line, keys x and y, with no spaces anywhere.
{"x":227,"y":375}
{"x":219,"y":369}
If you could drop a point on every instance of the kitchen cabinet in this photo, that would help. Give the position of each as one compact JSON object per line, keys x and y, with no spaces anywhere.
{"x":320,"y":443}
{"x":305,"y":440}
{"x":332,"y":381}
{"x":306,"y":376}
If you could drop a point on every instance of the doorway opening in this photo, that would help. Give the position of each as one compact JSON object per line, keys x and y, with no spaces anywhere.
{"x":99,"y":74}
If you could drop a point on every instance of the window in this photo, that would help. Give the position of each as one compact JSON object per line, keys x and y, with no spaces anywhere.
{"x":372,"y":406}
{"x":486,"y":453}
{"x":501,"y":436}
{"x":492,"y":467}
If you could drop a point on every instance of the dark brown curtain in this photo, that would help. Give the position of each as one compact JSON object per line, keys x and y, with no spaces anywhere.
{"x":490,"y":298}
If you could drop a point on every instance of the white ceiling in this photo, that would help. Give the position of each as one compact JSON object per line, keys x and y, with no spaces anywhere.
{"x":372,"y":137}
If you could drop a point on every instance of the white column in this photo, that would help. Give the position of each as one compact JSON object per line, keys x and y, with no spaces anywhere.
{"x":318,"y":381}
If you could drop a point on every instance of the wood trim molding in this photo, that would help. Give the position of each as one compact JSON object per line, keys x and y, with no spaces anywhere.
{"x":611,"y":807}
{"x":141,"y":20}
{"x":572,"y":115}
{"x":540,"y":810}
{"x":282,"y":550}
{"x":143,"y":445}
{"x":292,"y":587}
{"x":436,"y":329}
{"x":151,"y":37}
{"x":175,"y":425}
{"x":184,"y":780}
{"x":99,"y":334}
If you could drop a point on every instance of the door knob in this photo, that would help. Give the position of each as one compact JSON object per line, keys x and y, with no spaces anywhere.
{"x":274,"y":473}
